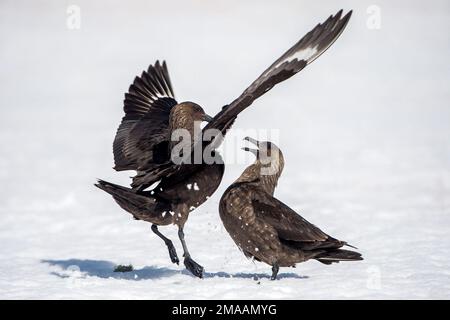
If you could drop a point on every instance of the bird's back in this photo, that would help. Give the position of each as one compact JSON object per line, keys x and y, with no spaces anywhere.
{"x":265,"y":228}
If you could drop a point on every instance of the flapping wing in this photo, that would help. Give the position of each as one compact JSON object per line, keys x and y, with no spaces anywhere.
{"x":290,"y":226}
{"x":309,"y":48}
{"x":147,"y":107}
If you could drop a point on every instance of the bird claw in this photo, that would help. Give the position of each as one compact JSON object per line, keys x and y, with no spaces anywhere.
{"x":193,"y":267}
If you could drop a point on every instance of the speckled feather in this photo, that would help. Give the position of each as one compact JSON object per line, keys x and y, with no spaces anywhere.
{"x":265,"y":228}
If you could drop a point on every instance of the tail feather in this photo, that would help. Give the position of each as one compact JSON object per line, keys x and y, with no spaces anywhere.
{"x":142,"y":207}
{"x":111,"y":188}
{"x":349,"y":245}
{"x":121,"y":194}
{"x":331,"y":256}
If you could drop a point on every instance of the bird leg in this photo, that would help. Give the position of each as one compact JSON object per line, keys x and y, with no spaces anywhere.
{"x":275,"y":269}
{"x":190,"y":264}
{"x":172,"y":252}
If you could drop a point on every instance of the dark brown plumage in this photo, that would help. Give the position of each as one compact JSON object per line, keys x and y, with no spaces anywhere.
{"x":143,"y":140}
{"x":265,"y":228}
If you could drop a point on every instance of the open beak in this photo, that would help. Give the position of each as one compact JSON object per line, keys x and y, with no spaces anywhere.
{"x":254,"y":151}
{"x":255,"y":142}
{"x":207,"y":118}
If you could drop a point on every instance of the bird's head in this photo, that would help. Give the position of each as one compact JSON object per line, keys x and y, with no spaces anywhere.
{"x":268,"y":157}
{"x":189,"y":112}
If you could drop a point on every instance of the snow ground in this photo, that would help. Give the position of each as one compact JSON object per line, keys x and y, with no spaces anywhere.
{"x":364,"y":130}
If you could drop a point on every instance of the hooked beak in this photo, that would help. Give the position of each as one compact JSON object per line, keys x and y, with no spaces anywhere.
{"x":255,"y":142}
{"x":254,"y":151}
{"x":207,"y":118}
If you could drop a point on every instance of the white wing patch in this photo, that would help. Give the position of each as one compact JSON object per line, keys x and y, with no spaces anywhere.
{"x":304,"y":54}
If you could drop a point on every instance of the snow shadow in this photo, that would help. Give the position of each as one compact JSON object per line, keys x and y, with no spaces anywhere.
{"x":253,"y":276}
{"x":79,"y":268}
{"x":105,"y":269}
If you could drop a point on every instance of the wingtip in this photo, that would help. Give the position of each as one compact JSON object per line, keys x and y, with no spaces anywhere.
{"x":338,"y":15}
{"x":348,"y":15}
{"x":101,"y":184}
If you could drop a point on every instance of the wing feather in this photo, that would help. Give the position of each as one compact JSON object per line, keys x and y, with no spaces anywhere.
{"x":145,"y":125}
{"x":292,"y":228}
{"x":305,"y":51}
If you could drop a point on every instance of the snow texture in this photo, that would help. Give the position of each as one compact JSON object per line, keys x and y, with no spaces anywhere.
{"x":365,"y":132}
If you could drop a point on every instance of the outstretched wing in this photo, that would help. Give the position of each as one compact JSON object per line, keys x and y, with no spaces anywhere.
{"x":309,"y":48}
{"x":290,"y":226}
{"x":144,"y":127}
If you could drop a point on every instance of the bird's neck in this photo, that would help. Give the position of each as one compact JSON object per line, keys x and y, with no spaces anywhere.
{"x":258,"y":175}
{"x":250,"y":174}
{"x":269,"y":182}
{"x":184,"y":134}
{"x":270,"y":173}
{"x":184,"y":129}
